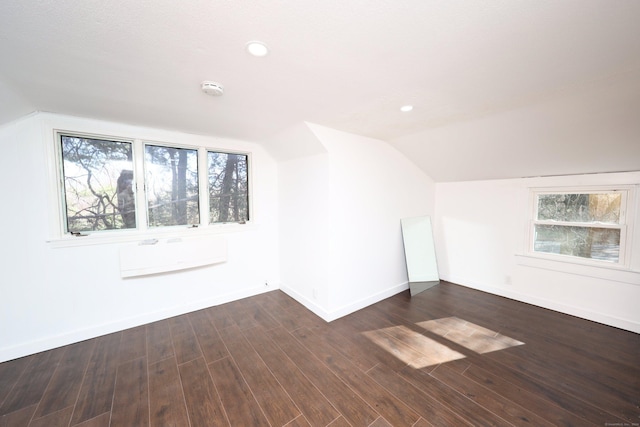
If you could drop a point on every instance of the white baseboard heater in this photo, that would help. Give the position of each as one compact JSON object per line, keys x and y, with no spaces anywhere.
{"x":162,"y":255}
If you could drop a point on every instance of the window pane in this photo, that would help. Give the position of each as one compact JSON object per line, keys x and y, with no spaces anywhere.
{"x":228,"y":187}
{"x":171,"y":185}
{"x":603,"y":207}
{"x":98,"y":184}
{"x":586,"y":242}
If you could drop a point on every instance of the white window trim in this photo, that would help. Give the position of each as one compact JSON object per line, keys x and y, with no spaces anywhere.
{"x":619,"y":272}
{"x":58,"y":238}
{"x":612,"y":273}
{"x":625,"y":225}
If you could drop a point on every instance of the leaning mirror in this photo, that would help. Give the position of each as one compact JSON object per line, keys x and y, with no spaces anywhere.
{"x":420,"y":253}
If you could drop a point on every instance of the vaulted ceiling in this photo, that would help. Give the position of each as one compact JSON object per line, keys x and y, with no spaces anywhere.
{"x":500,"y":88}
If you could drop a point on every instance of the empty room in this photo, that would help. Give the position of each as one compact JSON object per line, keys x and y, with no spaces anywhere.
{"x":320,"y":213}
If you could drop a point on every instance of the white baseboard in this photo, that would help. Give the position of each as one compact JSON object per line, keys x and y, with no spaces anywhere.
{"x":48,"y":343}
{"x":367,"y":301}
{"x":309,"y":304}
{"x":606,"y":319}
{"x":332,"y":315}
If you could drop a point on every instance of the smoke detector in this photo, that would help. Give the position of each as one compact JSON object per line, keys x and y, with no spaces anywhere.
{"x":212,"y":88}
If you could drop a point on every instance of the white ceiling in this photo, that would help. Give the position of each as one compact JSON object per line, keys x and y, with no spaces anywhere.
{"x":495,"y":84}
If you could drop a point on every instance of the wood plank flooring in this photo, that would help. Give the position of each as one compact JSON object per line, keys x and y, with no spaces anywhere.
{"x":267,"y":361}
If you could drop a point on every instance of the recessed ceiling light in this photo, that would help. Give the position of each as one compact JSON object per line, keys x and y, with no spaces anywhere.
{"x":406,"y":108}
{"x":257,"y":48}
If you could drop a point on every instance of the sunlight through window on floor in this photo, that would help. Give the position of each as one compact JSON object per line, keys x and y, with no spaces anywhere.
{"x":411,"y":347}
{"x":419,"y":351}
{"x":469,"y":335}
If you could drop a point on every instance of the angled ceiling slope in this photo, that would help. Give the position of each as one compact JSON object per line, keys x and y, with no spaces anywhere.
{"x":342,"y":65}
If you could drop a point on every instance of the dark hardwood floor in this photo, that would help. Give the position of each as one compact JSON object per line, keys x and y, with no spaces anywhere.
{"x":450,"y":356}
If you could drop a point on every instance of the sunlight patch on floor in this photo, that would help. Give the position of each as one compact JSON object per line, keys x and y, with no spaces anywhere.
{"x":419,"y":351}
{"x":411,"y":347}
{"x":469,"y":335}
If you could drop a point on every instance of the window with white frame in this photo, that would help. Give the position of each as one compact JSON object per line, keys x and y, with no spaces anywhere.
{"x":228,"y":187}
{"x":588,"y":225}
{"x":171,"y":185}
{"x":100,"y":178}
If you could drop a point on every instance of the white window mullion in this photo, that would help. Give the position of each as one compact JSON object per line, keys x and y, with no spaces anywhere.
{"x":141,"y":196}
{"x":577,"y":224}
{"x":203,"y":186}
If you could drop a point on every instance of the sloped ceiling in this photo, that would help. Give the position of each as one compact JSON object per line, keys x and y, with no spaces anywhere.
{"x":493,"y":83}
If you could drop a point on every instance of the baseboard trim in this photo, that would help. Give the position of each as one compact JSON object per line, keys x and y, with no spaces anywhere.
{"x":605,"y":319}
{"x":71,"y":337}
{"x":345,"y":310}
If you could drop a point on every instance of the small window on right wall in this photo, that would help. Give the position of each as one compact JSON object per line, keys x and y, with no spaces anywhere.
{"x":583,"y":225}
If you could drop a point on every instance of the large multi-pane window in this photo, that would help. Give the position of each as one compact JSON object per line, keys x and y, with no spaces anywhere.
{"x":106,"y":188}
{"x":589,"y":225}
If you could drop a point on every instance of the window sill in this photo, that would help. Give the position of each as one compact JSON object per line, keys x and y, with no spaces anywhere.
{"x":125,"y":236}
{"x":613,"y":273}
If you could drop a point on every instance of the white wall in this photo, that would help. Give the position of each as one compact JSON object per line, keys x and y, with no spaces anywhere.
{"x":373,"y":186}
{"x":480,"y":231}
{"x":304,"y":229}
{"x":341,"y":242}
{"x":52,"y":296}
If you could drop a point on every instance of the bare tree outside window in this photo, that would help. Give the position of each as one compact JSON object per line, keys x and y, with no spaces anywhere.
{"x":228,"y":187}
{"x":581,"y":225}
{"x":171,"y":182}
{"x":98,"y":184}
